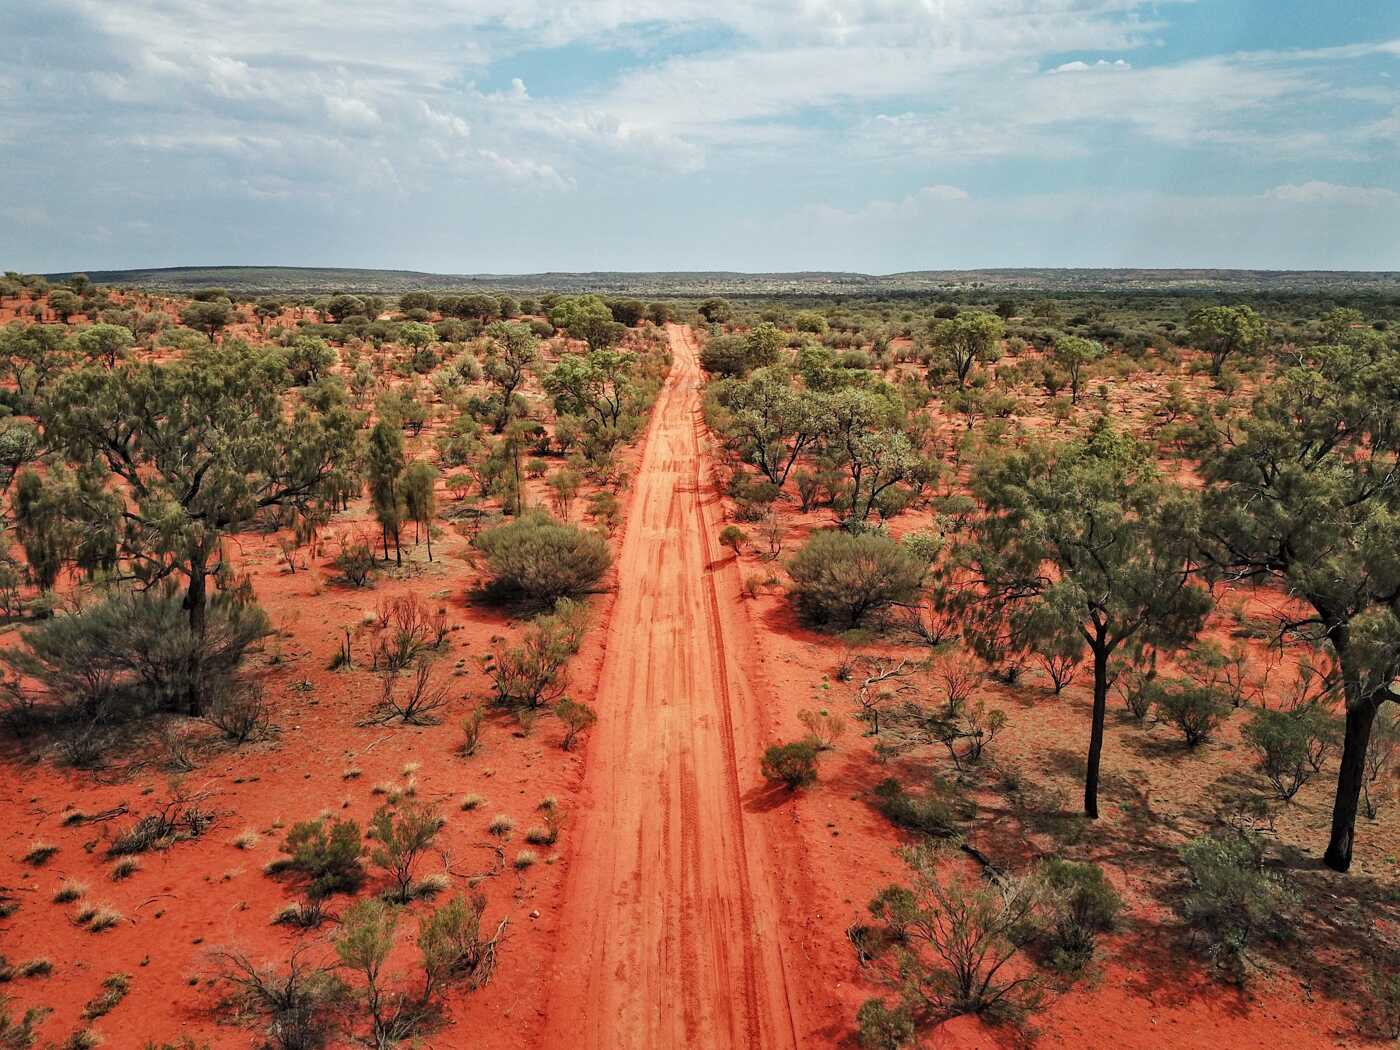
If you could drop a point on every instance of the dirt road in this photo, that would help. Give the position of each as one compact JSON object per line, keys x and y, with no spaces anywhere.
{"x":668,"y":936}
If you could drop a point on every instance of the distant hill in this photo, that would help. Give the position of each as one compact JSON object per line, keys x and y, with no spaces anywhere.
{"x":297,"y":280}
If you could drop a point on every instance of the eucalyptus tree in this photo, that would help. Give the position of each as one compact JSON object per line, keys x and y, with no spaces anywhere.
{"x":1303,"y":490}
{"x":1074,"y":547}
{"x":1226,"y":331}
{"x":189,"y":452}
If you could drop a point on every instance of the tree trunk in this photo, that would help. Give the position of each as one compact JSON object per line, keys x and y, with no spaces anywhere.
{"x":1360,"y":718}
{"x":196,"y":603}
{"x":428,"y":528}
{"x":1091,"y":775}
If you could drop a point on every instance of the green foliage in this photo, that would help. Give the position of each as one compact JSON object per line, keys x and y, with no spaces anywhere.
{"x":1225,"y":331}
{"x":105,"y":343}
{"x":843,"y":579}
{"x":883,"y":1028}
{"x":945,"y":942}
{"x":1232,"y":898}
{"x":1195,"y":710}
{"x":543,"y":559}
{"x":1077,"y":546}
{"x":400,"y":837}
{"x":1290,"y":744}
{"x":1082,"y":904}
{"x":970,"y":338}
{"x":307,"y":359}
{"x":587,"y":317}
{"x":532,"y":674}
{"x":935,"y":813}
{"x":22,"y":1032}
{"x":327,"y":853}
{"x":725,"y":355}
{"x":577,"y":717}
{"x":793,"y":765}
{"x":716,"y":310}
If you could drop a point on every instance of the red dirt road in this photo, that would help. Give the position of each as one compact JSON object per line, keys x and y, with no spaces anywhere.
{"x":669,"y":931}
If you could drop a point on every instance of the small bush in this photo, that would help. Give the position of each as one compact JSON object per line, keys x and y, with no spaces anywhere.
{"x":303,"y":915}
{"x":733,"y":537}
{"x":20,"y":1033}
{"x":1290,"y":746}
{"x":1195,"y":710}
{"x":124,"y":869}
{"x":1083,"y":905}
{"x":794,"y":765}
{"x":934,"y":814}
{"x":471,"y":802}
{"x":577,"y":717}
{"x":104,"y":917}
{"x":39,"y":853}
{"x":882,"y":1028}
{"x":525,"y":858}
{"x":841,"y":578}
{"x":543,"y":559}
{"x":500,"y":825}
{"x":327,"y":853}
{"x":1232,"y":897}
{"x":399,"y":840}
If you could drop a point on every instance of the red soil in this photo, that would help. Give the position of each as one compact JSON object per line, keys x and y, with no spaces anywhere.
{"x":689,"y":905}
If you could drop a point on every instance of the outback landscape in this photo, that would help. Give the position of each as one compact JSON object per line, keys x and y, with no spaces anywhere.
{"x":982,"y":659}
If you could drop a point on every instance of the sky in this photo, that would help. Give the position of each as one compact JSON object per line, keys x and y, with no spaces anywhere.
{"x":514,"y":136}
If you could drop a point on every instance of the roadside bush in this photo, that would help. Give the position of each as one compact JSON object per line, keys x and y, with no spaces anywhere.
{"x":400,"y":838}
{"x":543,"y":559}
{"x":794,"y":765}
{"x":945,"y":942}
{"x":355,"y":559}
{"x":298,"y":1008}
{"x":726,"y":355}
{"x":1083,"y":905}
{"x":1232,"y":897}
{"x":577,"y":717}
{"x":882,"y":1028}
{"x":532,"y":674}
{"x":841,"y":578}
{"x":1290,"y":746}
{"x":934,"y":814}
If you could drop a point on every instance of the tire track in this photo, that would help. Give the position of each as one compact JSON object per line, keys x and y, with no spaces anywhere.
{"x":669,"y":926}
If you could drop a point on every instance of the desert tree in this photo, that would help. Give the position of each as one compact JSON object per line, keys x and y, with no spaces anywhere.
{"x":210,"y":317}
{"x":193,"y":450}
{"x":1226,"y":331}
{"x":1079,"y":546}
{"x":967,"y":340}
{"x":1303,"y":490}
{"x":587,"y":317}
{"x":420,"y":498}
{"x":105,"y":343}
{"x":509,"y":357}
{"x":1074,"y":353}
{"x":597,"y":385}
{"x":769,"y":422}
{"x":384,"y":467}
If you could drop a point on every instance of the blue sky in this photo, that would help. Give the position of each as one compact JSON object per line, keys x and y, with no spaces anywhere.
{"x":871,"y":135}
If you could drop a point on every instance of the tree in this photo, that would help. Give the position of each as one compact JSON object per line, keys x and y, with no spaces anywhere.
{"x":772,"y":423}
{"x":384,"y":464}
{"x":1304,"y":490}
{"x":508,"y":360}
{"x":65,"y":304}
{"x":33,"y":356}
{"x":793,"y":765}
{"x":1077,"y":546}
{"x":597,"y":384}
{"x":970,"y":338}
{"x":195,"y":449}
{"x":627,"y":311}
{"x":107,"y":343}
{"x":415,"y":335}
{"x":716,"y":310}
{"x":1224,"y":331}
{"x":1073,"y":353}
{"x":588,"y":318}
{"x":725,"y":355}
{"x":860,"y":429}
{"x":420,"y":497}
{"x":211,"y":318}
{"x":307,"y":359}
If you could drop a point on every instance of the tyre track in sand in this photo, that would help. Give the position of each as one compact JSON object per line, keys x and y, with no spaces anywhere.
{"x":668,"y":933}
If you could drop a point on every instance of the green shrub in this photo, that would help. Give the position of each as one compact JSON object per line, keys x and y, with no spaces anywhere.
{"x":544,"y":559}
{"x":882,"y":1028}
{"x":841,"y":578}
{"x":793,"y":765}
{"x":1232,"y":897}
{"x":1195,"y":710}
{"x":934,"y":814}
{"x":327,"y":852}
{"x":1083,"y":905}
{"x":1290,"y":746}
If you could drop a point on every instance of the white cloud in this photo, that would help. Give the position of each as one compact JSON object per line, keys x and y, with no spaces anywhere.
{"x":1084,"y":67}
{"x":1330,"y":193}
